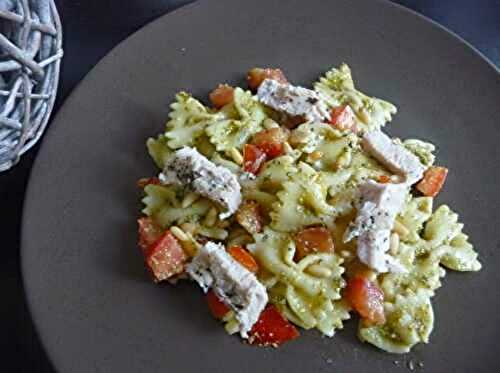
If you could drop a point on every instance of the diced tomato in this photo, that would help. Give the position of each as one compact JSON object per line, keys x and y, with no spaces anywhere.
{"x":271,"y":141}
{"x":432,"y":181}
{"x":217,"y":307}
{"x":367,"y":299}
{"x":257,"y":75}
{"x":221,"y":96}
{"x":149,"y":233}
{"x":250,"y":217}
{"x":142,"y":182}
{"x":243,"y":257}
{"x":342,"y":117}
{"x":312,"y":240}
{"x":384,"y":179}
{"x":165,"y":257}
{"x":272,"y":329}
{"x":253,"y":159}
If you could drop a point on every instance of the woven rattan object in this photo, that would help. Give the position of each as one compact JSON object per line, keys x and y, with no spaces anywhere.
{"x":30,"y":55}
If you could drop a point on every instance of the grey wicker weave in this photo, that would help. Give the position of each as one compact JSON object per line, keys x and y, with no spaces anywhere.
{"x":30,"y":55}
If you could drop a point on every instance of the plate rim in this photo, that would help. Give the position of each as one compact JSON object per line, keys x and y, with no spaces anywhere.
{"x":29,"y":195}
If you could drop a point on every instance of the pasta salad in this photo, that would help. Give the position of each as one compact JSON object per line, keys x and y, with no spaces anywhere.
{"x":291,"y":208}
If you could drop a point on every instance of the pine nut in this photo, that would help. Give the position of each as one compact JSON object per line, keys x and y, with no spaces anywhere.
{"x":394,"y":244}
{"x":215,"y":233}
{"x":240,"y":240}
{"x":269,"y":123}
{"x":191,"y":246}
{"x":287,"y":148}
{"x":236,"y":155}
{"x":189,"y":199}
{"x":317,"y":270}
{"x":179,"y":233}
{"x":188,"y":227}
{"x":210,"y":218}
{"x":364,"y":116}
{"x":344,"y":159}
{"x":400,"y":229}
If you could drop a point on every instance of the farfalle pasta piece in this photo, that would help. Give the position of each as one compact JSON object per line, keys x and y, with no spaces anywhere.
{"x":409,"y":320}
{"x":416,"y":212}
{"x":302,"y":202}
{"x":338,"y":88}
{"x":444,"y":234}
{"x":309,"y":300}
{"x":188,"y":121}
{"x":423,"y":272}
{"x":237,"y":123}
{"x":159,"y":150}
{"x":423,"y":150}
{"x":163,"y":204}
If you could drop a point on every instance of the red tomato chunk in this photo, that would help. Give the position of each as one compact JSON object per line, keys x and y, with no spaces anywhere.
{"x":221,"y":96}
{"x":217,"y":307}
{"x":342,"y":117}
{"x":367,"y":299}
{"x":243,"y":257}
{"x":165,"y":258}
{"x":312,"y":240}
{"x":257,"y":75}
{"x":253,"y":159}
{"x":149,"y":233}
{"x":271,"y":141}
{"x":432,"y":181}
{"x":250,"y":217}
{"x":272,"y":329}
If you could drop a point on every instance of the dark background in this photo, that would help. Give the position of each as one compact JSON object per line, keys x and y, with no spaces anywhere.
{"x":91,"y":29}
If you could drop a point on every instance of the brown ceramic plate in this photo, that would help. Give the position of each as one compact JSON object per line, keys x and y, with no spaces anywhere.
{"x":91,"y":299}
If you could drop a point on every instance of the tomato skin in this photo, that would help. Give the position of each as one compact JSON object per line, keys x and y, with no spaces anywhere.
{"x":250,"y":217}
{"x":367,"y":299}
{"x":271,"y":141}
{"x":149,"y":233}
{"x":243,"y":257}
{"x":433,"y":181}
{"x":257,"y":75}
{"x":217,"y":307}
{"x":272,"y":329}
{"x":142,"y":182}
{"x":253,"y":159}
{"x":165,"y":258}
{"x":342,"y":117}
{"x":221,"y":96}
{"x":312,"y":240}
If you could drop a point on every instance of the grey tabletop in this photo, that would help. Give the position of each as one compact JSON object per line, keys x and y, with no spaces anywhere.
{"x":92,"y":29}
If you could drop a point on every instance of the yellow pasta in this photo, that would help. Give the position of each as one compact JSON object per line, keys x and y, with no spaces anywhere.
{"x":410,"y":320}
{"x":188,"y":120}
{"x":163,"y":204}
{"x":237,"y":124}
{"x":158,"y":150}
{"x":310,"y":299}
{"x":312,"y":183}
{"x":338,"y":88}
